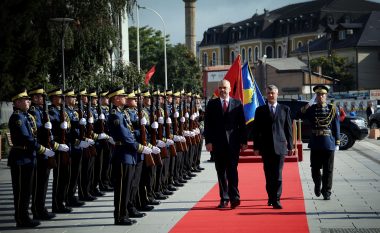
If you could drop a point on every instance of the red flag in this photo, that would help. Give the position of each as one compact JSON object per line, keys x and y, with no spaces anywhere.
{"x":235,"y":78}
{"x":149,"y":75}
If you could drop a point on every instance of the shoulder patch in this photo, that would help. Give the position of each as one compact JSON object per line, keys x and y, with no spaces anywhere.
{"x":116,"y":122}
{"x":113,"y":111}
{"x":32,"y":108}
{"x":19,"y":123}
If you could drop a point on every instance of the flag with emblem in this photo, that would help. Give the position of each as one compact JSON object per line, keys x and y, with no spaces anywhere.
{"x":149,"y":75}
{"x":252,"y":95}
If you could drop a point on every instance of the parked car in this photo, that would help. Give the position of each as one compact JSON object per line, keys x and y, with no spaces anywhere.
{"x":352,"y":128}
{"x":374,"y":120}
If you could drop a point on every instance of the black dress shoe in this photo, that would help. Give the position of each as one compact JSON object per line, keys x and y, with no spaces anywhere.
{"x":235,"y":204}
{"x":191,"y":174}
{"x":317,"y":190}
{"x":97,"y":193}
{"x":182,"y":181}
{"x":196,"y":170}
{"x":125,"y":221}
{"x":28,"y":223}
{"x":269,"y":203}
{"x":43,"y":216}
{"x":172,"y":188}
{"x":154,"y":202}
{"x":326,"y":197}
{"x":200,"y":168}
{"x":223,"y":204}
{"x":167,"y":192}
{"x":136,"y":214}
{"x":177,"y":184}
{"x":74,"y":202}
{"x":160,"y":196}
{"x":106,"y":188}
{"x":277,"y":205}
{"x":62,"y":210}
{"x":145,"y":208}
{"x":88,"y":198}
{"x":186,"y":177}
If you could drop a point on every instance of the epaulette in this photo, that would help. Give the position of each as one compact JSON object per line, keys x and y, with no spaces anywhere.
{"x":16,"y":112}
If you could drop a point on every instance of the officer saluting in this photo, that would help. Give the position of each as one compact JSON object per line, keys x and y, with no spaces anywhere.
{"x":324,"y":119}
{"x":124,"y":156}
{"x":22,"y":157}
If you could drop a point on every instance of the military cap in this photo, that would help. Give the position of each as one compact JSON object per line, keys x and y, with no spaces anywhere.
{"x":145,"y":93}
{"x":69,"y":92}
{"x":131,"y":94}
{"x":188,"y":93}
{"x":177,"y":94}
{"x":137,"y":91}
{"x":103,"y":93}
{"x":156,"y":92}
{"x":83,"y":92}
{"x":321,"y":89}
{"x":37,"y":90}
{"x":55,"y":92}
{"x":169,"y":92}
{"x":20,"y":94}
{"x":117,"y":91}
{"x":92,"y":93}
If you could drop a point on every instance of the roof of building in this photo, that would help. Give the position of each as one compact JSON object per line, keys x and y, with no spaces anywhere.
{"x":371,"y":32}
{"x":286,"y":64}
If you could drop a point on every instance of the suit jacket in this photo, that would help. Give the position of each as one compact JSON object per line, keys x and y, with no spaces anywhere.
{"x":273,"y":135}
{"x":226,"y":131}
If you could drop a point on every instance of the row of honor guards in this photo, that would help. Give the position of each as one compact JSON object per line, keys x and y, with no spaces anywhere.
{"x":142,"y":148}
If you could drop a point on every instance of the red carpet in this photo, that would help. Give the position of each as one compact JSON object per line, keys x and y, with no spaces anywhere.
{"x":253,"y":215}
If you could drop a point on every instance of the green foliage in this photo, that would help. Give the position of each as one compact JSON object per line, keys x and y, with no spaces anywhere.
{"x":337,"y":68}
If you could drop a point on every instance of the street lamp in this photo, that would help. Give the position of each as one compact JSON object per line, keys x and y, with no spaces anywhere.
{"x":110,"y":50}
{"x":163,"y":22}
{"x":264,"y":59}
{"x":64,"y":22}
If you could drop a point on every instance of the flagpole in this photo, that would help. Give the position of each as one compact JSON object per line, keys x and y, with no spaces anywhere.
{"x":138,"y":38}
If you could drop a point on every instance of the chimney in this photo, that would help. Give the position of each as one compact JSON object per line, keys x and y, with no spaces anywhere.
{"x":190,"y":25}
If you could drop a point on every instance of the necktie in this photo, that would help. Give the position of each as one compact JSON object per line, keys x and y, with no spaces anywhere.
{"x":273,"y":111}
{"x":225,"y":105}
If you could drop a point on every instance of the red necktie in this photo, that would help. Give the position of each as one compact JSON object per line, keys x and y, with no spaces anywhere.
{"x":225,"y":105}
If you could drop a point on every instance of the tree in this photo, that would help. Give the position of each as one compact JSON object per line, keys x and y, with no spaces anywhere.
{"x":183,"y":70}
{"x":337,"y":68}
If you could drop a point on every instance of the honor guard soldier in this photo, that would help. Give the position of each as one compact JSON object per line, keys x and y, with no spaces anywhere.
{"x":22,"y":157}
{"x":42,"y":169}
{"x":324,"y":140}
{"x":124,"y":156}
{"x":60,"y":128}
{"x":200,"y":128}
{"x":76,"y":147}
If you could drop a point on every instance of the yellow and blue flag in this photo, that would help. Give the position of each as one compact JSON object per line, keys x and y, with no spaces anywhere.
{"x":252,"y":95}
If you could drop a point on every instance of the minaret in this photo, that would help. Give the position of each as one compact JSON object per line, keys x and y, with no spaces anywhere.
{"x":190,"y":25}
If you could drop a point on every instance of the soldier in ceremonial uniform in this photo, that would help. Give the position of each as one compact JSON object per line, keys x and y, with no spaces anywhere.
{"x":22,"y":157}
{"x":60,"y":127}
{"x":124,"y":156}
{"x":324,"y":119}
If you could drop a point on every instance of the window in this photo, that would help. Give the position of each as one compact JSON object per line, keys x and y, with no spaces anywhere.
{"x":249,"y":54}
{"x":214,"y":58}
{"x":243,"y":55}
{"x":299,"y":44}
{"x":342,"y":35}
{"x":232,"y":57}
{"x":256,"y":55}
{"x":279,"y":51}
{"x":205,"y":62}
{"x":269,"y":51}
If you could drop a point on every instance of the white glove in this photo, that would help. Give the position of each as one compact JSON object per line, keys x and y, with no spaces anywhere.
{"x":176,"y":138}
{"x":82,"y":121}
{"x":154,"y":125}
{"x":143,"y":121}
{"x":182,"y":119}
{"x":156,"y":150}
{"x":187,"y":115}
{"x":169,"y":142}
{"x":160,"y":143}
{"x":49,"y":153}
{"x":103,"y":136}
{"x":186,"y":133}
{"x":183,"y":139}
{"x":176,"y":114}
{"x":102,"y":117}
{"x":110,"y":140}
{"x":191,"y":134}
{"x":192,"y":117}
{"x":90,"y":141}
{"x":48,"y":125}
{"x":160,"y":120}
{"x":168,"y":120}
{"x":195,"y":132}
{"x":311,"y":102}
{"x":63,"y":125}
{"x":147,"y":150}
{"x":197,"y":113}
{"x":83,"y":144}
{"x":63,"y":147}
{"x":91,"y":120}
{"x":336,"y":148}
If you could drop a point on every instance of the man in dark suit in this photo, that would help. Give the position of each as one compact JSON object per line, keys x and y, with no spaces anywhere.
{"x":272,"y":136}
{"x":225,"y":135}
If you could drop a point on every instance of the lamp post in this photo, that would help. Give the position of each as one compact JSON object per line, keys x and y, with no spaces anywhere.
{"x":165,"y":60}
{"x":110,"y":50}
{"x":64,"y":22}
{"x":264,"y":59}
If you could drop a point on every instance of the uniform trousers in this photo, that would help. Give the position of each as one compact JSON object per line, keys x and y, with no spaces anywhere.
{"x":322,"y":159}
{"x":61,"y":177}
{"x":75,"y":168}
{"x":273,"y":165}
{"x":40,"y":186}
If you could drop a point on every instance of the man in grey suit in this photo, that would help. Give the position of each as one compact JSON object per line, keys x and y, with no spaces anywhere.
{"x":272,"y":137}
{"x":225,"y":134}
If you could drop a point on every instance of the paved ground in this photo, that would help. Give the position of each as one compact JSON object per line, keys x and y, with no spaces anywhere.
{"x":355,"y":204}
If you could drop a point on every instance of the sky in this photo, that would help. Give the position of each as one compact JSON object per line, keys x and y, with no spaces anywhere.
{"x":209,"y":13}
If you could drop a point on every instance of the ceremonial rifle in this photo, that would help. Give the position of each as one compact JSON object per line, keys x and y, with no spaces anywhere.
{"x":47,"y":136}
{"x":160,"y":131}
{"x":172,"y":149}
{"x":179,"y":146}
{"x":64,"y":154}
{"x":149,"y":161}
{"x":153,"y":132}
{"x":90,"y":128}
